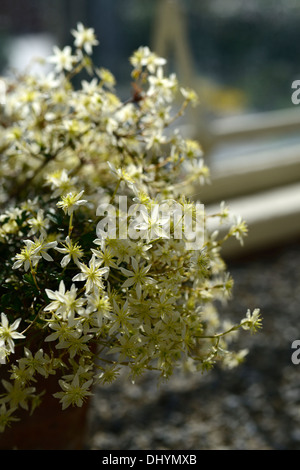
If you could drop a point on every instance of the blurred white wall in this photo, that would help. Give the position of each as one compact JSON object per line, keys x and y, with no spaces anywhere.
{"x":25,"y":50}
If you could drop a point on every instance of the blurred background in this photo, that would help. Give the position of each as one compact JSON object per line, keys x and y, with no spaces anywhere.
{"x":247,"y":49}
{"x":242,"y":58}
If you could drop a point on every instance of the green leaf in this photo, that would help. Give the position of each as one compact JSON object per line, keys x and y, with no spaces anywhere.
{"x":28,"y":279}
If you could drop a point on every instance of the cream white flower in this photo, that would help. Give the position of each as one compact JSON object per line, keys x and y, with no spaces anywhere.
{"x":156,"y":139}
{"x":240,"y":229}
{"x":64,"y":303}
{"x":252,"y":321}
{"x":63,"y":331}
{"x":85,"y":38}
{"x":106,"y":77}
{"x":137,"y":277}
{"x":120,"y":317}
{"x":62,"y":59}
{"x":11,"y":214}
{"x":70,"y":202}
{"x":75,"y":344}
{"x":37,"y":362}
{"x":139,"y":57}
{"x":105,"y":256}
{"x":154,"y":225}
{"x":72,"y":251}
{"x":189,"y":95}
{"x":98,"y":308}
{"x":74,"y":393}
{"x":165,"y":86}
{"x":6,"y":416}
{"x":120,"y":174}
{"x":144,"y":57}
{"x":42,"y":247}
{"x":92,"y":274}
{"x":60,"y":182}
{"x":38,"y":224}
{"x":8,"y":332}
{"x":17,"y":394}
{"x":29,"y":256}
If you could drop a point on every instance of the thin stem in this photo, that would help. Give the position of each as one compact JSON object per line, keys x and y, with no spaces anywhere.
{"x":34,"y":277}
{"x":219,"y":335}
{"x":115,"y":191}
{"x":34,"y":320}
{"x":71,"y":224}
{"x":178,"y":114}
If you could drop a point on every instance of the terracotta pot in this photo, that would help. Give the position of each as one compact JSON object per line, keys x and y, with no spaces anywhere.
{"x":48,"y":428}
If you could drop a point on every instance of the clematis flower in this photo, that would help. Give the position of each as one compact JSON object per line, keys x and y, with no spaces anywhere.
{"x":85,"y":38}
{"x":8,"y":332}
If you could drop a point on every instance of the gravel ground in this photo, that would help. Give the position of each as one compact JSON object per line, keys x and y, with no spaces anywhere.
{"x":253,"y":407}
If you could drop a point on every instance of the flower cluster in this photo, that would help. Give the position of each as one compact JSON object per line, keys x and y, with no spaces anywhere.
{"x":77,"y":303}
